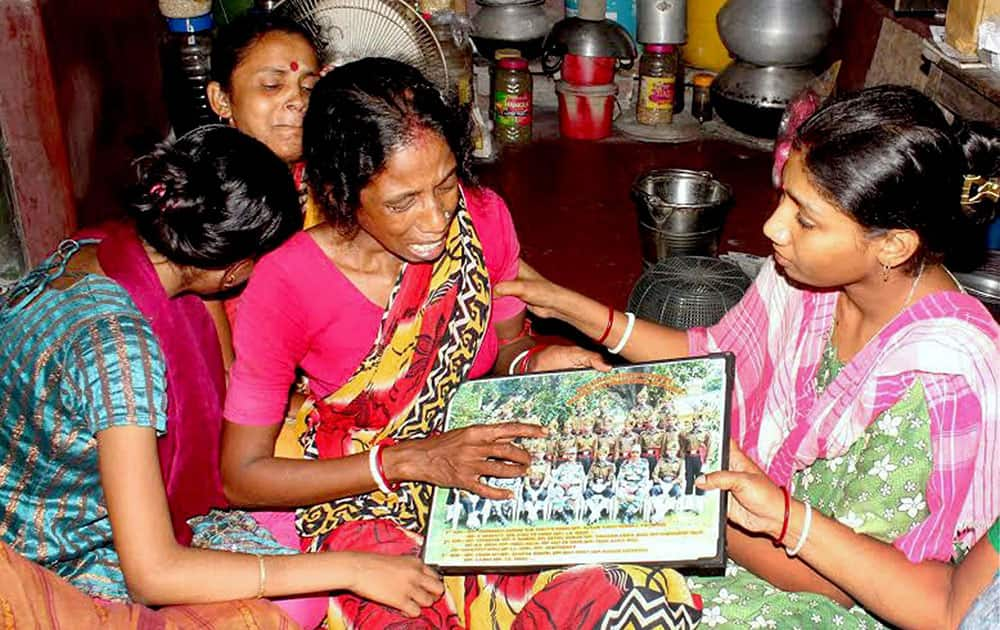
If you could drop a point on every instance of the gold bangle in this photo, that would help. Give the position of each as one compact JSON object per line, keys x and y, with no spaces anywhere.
{"x":261,"y":576}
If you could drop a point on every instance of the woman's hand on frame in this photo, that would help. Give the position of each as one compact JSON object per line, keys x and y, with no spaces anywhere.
{"x":460,"y":458}
{"x":756,"y":503}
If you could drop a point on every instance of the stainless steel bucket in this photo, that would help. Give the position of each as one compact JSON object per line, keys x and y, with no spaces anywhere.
{"x":681,"y":212}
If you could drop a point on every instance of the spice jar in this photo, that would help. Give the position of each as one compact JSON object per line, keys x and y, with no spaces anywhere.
{"x":657,"y":82}
{"x":512,"y":102}
{"x":502,"y":53}
{"x":701,"y":99}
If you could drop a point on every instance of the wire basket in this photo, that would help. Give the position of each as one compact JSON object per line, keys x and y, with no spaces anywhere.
{"x":688,"y":291}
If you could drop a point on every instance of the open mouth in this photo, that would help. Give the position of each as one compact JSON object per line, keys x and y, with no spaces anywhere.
{"x":426,"y":249}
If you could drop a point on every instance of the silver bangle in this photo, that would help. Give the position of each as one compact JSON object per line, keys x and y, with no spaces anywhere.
{"x":805,"y":532}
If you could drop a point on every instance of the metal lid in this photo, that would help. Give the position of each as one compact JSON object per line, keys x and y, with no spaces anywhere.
{"x":588,"y":38}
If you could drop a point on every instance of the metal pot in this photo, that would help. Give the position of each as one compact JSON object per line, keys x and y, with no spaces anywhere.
{"x":775,"y":32}
{"x":503,"y":24}
{"x":752,"y":98}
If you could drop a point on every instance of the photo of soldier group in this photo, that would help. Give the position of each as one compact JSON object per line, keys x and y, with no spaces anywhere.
{"x":623,"y":448}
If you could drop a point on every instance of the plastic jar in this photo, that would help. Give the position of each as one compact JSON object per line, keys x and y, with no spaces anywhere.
{"x":657,"y":83}
{"x":701,"y":99}
{"x":457,"y":55}
{"x":512,"y":102}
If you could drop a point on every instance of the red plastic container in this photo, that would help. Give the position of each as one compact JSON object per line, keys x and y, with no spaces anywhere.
{"x":586,"y":111}
{"x":579,"y":70}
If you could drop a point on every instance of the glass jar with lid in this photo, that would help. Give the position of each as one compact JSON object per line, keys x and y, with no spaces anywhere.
{"x":657,"y":82}
{"x":701,"y":98}
{"x":512,"y":102}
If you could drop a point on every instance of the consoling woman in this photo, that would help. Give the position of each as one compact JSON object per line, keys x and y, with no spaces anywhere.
{"x":264,"y":67}
{"x":90,"y":357}
{"x":866,"y":380}
{"x":395,"y":311}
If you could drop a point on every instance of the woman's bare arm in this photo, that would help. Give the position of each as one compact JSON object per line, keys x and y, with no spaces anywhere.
{"x":159,"y":571}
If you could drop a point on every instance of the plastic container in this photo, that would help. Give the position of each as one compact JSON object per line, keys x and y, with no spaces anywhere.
{"x":457,"y":54}
{"x":580,"y":70}
{"x":512,"y":105}
{"x":704,"y":48}
{"x":657,"y":85}
{"x":185,"y":53}
{"x":586,"y":111}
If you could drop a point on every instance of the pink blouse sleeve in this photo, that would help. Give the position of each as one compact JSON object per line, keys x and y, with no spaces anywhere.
{"x":270,"y":339}
{"x":501,"y":247}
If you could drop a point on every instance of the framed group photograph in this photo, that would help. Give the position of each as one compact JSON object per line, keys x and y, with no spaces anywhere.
{"x":612,"y":482}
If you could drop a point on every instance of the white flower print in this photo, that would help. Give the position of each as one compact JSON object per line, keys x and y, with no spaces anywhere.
{"x":885,"y":490}
{"x":852,"y":466}
{"x":816,"y":619}
{"x":888,"y":514}
{"x":890,"y":424}
{"x":882,"y":468}
{"x":713,"y":617}
{"x":765,"y":610}
{"x":793,"y":597}
{"x":912,"y":505}
{"x":852,"y":520}
{"x":864,"y":496}
{"x":900,"y":441}
{"x":834,"y":464}
{"x":838,"y":620}
{"x":725,"y":597}
{"x":907,"y":460}
{"x":760,"y":622}
{"x":910,"y":486}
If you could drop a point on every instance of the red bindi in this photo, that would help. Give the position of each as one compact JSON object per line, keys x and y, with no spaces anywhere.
{"x":295,"y":66}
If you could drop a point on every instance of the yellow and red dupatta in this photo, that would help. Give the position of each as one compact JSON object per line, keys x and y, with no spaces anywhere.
{"x":429,"y":336}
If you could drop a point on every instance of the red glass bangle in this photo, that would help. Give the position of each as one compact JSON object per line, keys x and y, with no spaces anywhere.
{"x":378,"y":463}
{"x":784,"y":524}
{"x":607,"y":329}
{"x":525,"y":331}
{"x":531,"y":352}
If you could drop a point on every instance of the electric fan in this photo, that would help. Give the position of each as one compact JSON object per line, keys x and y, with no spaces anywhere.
{"x":348,"y":30}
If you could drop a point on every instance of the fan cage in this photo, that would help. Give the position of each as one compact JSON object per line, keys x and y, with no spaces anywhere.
{"x":348,"y":30}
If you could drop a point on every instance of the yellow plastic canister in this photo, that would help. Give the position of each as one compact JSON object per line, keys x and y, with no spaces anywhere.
{"x":704,"y":48}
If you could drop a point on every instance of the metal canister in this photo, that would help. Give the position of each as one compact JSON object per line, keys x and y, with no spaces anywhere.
{"x":661,"y":21}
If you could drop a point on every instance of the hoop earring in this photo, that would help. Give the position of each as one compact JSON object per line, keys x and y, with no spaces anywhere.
{"x":885,"y":272}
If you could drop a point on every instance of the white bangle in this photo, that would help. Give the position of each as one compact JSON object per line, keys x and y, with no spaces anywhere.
{"x":805,"y":532}
{"x":517,"y":359}
{"x":625,"y":335}
{"x":373,"y":467}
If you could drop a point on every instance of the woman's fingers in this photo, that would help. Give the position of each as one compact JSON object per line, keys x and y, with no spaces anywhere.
{"x":489,"y":492}
{"x":511,"y":453}
{"x":508,"y":430}
{"x":721,"y":480}
{"x":493,"y":468}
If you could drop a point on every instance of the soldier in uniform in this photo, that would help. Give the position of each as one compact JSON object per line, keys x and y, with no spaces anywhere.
{"x":666,"y":487}
{"x":586,"y":442}
{"x":600,"y":486}
{"x":633,"y":485}
{"x":651,"y":441}
{"x":503,"y":510}
{"x":623,"y":448}
{"x":535,"y":489}
{"x":566,"y":487}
